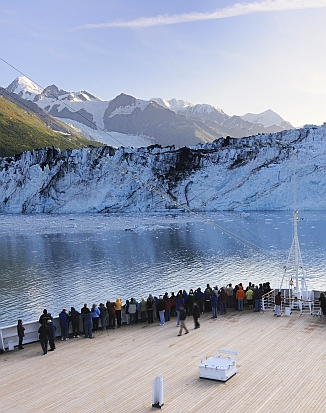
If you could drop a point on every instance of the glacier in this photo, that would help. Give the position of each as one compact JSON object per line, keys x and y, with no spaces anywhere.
{"x":276,"y":171}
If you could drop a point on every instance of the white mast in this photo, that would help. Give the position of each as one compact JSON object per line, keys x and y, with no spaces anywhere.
{"x":296,"y":277}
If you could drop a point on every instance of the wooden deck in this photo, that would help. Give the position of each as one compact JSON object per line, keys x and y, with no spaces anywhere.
{"x":281,"y":368}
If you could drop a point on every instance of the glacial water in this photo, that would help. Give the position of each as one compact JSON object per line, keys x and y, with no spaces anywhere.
{"x":59,"y":261}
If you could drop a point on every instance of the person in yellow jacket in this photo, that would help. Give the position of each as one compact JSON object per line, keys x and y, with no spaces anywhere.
{"x":118,"y":306}
{"x":240,"y":295}
{"x":250,"y":298}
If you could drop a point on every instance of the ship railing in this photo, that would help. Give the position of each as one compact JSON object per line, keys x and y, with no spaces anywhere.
{"x":300,"y":305}
{"x":267,"y":301}
{"x":290,"y":304}
{"x":9,"y":337}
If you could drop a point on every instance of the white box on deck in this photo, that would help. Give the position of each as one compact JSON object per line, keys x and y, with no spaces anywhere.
{"x":218,"y":367}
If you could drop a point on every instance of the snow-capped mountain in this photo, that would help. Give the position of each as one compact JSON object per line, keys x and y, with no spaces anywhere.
{"x":25,"y":88}
{"x":160,"y":121}
{"x":253,"y":173}
{"x":201,"y":111}
{"x":216,"y":118}
{"x":267,"y":118}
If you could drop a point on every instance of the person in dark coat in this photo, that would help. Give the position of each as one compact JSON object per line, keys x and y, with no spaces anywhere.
{"x":52,"y":334}
{"x":64,"y":324}
{"x":183,"y":316}
{"x":110,"y":305}
{"x":322,"y":301}
{"x":196,"y":314}
{"x":44,"y":317}
{"x":44,"y":332}
{"x":150,"y":308}
{"x":88,"y":322}
{"x":223,"y":297}
{"x":21,"y":334}
{"x":199,"y":297}
{"x":74,"y":317}
{"x":214,"y":305}
{"x":161,"y":306}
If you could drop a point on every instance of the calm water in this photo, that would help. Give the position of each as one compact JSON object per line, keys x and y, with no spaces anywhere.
{"x":56,"y":262}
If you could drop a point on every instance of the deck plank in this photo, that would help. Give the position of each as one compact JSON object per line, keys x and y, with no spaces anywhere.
{"x":280,"y":368}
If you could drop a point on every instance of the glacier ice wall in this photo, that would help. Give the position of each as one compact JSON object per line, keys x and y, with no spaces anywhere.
{"x":254,"y":173}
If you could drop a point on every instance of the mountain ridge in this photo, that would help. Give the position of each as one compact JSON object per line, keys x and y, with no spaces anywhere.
{"x":190,"y":124}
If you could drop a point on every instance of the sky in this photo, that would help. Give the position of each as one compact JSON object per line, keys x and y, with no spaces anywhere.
{"x":239,"y":56}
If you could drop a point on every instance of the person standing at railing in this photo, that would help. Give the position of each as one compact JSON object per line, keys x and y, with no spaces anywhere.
{"x":214,"y":305}
{"x":64,"y":324}
{"x":52,"y":334}
{"x":278,"y":302}
{"x":258,"y":293}
{"x":322,"y":301}
{"x":240,"y":297}
{"x":250,"y":297}
{"x":21,"y":334}
{"x":44,"y":332}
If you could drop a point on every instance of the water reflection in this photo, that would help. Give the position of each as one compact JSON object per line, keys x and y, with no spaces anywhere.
{"x":63,"y":261}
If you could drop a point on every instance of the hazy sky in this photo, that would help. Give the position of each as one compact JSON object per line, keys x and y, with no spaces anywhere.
{"x":240,"y":56}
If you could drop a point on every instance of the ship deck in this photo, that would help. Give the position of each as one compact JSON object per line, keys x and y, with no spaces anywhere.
{"x":280,"y":362}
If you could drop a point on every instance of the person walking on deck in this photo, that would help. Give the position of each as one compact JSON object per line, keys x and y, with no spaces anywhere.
{"x":178,"y":303}
{"x":183,"y":316}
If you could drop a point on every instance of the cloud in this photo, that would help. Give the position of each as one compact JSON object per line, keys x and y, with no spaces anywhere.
{"x":238,"y":9}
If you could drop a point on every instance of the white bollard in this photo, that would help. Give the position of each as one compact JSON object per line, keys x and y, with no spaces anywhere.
{"x":157,"y":396}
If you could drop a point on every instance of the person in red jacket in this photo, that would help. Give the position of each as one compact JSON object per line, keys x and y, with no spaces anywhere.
{"x":110,"y":305}
{"x":278,"y":302}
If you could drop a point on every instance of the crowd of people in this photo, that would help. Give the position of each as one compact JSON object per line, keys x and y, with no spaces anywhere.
{"x":180,"y":305}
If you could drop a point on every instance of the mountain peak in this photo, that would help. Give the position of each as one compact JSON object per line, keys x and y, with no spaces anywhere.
{"x":24,"y":87}
{"x":267,"y":118}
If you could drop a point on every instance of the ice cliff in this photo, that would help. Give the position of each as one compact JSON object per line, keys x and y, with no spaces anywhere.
{"x":252,"y":173}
